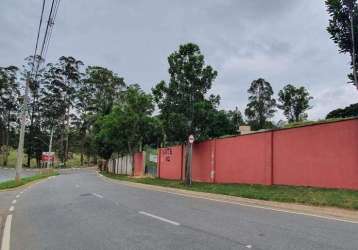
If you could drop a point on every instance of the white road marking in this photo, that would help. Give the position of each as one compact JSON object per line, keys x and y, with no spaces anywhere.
{"x":12,"y":208}
{"x":21,"y":192}
{"x":13,"y":202}
{"x":77,"y":186}
{"x":160,"y":218}
{"x":248,"y":246}
{"x":97,"y":195}
{"x":5,"y":243}
{"x":245,"y":205}
{"x":261,"y":207}
{"x":17,"y":196}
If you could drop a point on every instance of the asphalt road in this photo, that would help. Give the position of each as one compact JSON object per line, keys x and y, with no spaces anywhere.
{"x":79,"y":210}
{"x":9,"y":173}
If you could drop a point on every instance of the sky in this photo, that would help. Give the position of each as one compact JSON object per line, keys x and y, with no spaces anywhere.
{"x":282,"y":41}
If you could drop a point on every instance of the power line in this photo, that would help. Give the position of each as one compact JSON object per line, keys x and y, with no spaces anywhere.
{"x":38,"y":35}
{"x":46,"y":40}
{"x":44,"y":47}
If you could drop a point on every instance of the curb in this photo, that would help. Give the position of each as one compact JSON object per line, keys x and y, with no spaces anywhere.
{"x":330,"y":213}
{"x":25,"y":185}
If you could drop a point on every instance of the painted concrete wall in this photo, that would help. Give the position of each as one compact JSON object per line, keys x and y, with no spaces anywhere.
{"x":170,"y":162}
{"x":139,"y":161}
{"x":323,"y":155}
{"x":320,"y":155}
{"x":244,"y":159}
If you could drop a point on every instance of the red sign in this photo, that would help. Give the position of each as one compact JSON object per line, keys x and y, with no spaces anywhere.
{"x":48,"y":156}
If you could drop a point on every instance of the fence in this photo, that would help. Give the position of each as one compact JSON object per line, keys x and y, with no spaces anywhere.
{"x":128,"y":165}
{"x":318,"y":155}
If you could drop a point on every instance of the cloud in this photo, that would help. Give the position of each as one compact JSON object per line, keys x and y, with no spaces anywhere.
{"x":283,"y":41}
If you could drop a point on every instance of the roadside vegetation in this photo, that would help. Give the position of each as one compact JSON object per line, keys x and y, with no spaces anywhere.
{"x":302,"y":195}
{"x":13,"y":184}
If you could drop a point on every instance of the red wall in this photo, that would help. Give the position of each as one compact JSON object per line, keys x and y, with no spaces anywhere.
{"x":170,"y":163}
{"x":323,"y":155}
{"x":320,"y":155}
{"x":138,"y":164}
{"x":202,"y":161}
{"x":244,"y":159}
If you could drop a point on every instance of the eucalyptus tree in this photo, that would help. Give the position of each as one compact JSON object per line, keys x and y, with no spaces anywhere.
{"x":262,"y":105}
{"x":9,"y":105}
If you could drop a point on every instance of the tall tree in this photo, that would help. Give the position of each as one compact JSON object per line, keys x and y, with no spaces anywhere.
{"x":100,"y":90}
{"x":294,"y":102}
{"x":343,"y":29}
{"x":70,"y":71}
{"x":262,"y":105}
{"x":182,"y":102}
{"x":9,"y":105}
{"x":106,"y":88}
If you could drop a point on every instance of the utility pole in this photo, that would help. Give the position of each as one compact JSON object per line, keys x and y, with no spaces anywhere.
{"x":20,"y":149}
{"x":50,"y":146}
{"x":353,"y":47}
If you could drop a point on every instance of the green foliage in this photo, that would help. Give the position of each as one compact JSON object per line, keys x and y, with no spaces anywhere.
{"x":339,"y":26}
{"x":128,"y":125}
{"x":261,"y":106}
{"x":350,"y":111}
{"x":294,"y":102}
{"x":182,"y":102}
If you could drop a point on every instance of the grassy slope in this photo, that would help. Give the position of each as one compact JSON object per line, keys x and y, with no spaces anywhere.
{"x":74,"y":162}
{"x":302,"y":195}
{"x":13,"y":184}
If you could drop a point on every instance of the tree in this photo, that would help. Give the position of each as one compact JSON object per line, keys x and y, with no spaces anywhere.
{"x":9,"y":105}
{"x":350,"y":111}
{"x":294,"y":102}
{"x":32,"y":145}
{"x":182,"y":102}
{"x":127,"y":126}
{"x":343,"y":29}
{"x":106,"y":88}
{"x":261,"y":106}
{"x":99,"y":92}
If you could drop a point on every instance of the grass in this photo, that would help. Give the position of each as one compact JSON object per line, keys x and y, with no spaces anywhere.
{"x":340,"y":198}
{"x":75,"y":161}
{"x":25,"y":180}
{"x":11,"y":160}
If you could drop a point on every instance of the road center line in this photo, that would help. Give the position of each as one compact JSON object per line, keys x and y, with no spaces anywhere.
{"x":12,"y":208}
{"x":160,"y":218}
{"x":13,"y":202}
{"x":97,"y":195}
{"x":17,"y":196}
{"x":5,"y":243}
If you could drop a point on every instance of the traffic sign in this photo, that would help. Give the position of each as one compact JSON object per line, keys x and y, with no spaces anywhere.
{"x":191,"y":139}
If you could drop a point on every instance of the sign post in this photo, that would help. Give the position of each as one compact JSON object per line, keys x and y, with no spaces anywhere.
{"x":189,"y":159}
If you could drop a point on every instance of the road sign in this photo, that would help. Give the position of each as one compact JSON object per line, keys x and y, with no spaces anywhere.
{"x":48,"y":156}
{"x":191,"y":139}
